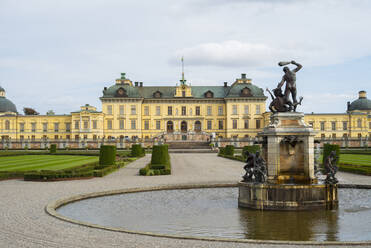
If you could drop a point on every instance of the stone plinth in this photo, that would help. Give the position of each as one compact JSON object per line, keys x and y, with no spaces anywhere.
{"x":289,"y":149}
{"x":265,"y":196}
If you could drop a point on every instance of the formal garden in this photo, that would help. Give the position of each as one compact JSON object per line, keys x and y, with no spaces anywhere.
{"x":55,"y":165}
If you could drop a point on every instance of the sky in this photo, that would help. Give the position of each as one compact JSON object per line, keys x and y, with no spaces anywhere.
{"x":59,"y":55}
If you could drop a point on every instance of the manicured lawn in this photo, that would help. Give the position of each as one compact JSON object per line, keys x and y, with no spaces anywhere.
{"x":43,"y":162}
{"x":355,"y":159}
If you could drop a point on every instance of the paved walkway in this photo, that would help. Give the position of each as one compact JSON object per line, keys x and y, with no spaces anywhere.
{"x":24,"y":223}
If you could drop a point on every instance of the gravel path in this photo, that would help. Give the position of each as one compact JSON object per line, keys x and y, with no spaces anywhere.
{"x":24,"y":223}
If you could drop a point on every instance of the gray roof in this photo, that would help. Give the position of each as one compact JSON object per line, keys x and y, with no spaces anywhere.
{"x":1,"y":89}
{"x":197,"y":91}
{"x":7,"y":105}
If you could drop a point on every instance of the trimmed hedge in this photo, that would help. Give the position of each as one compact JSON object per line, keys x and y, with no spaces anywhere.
{"x":160,"y":154}
{"x":251,"y":149}
{"x":160,"y":162}
{"x":229,"y":150}
{"x":239,"y":158}
{"x":107,"y":155}
{"x":221,"y":151}
{"x":357,"y":169}
{"x":137,"y":150}
{"x":327,"y":149}
{"x":53,"y":148}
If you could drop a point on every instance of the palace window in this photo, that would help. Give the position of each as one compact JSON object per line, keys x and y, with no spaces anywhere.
{"x":86,"y":124}
{"x":183,"y":93}
{"x":234,"y":109}
{"x":133,"y":124}
{"x":146,"y":125}
{"x":209,"y":110}
{"x":359,"y":135}
{"x":257,"y":124}
{"x":109,"y":124}
{"x":77,"y":125}
{"x":122,"y":112}
{"x":68,"y":137}
{"x":246,"y":109}
{"x":359,"y":123}
{"x":133,"y":109}
{"x":184,"y":110}
{"x":323,"y":136}
{"x":209,"y":94}
{"x":157,"y":94}
{"x":209,"y":124}
{"x":21,"y":137}
{"x":169,"y":110}
{"x":220,"y":110}
{"x":220,"y":124}
{"x":158,"y":125}
{"x":109,"y":109}
{"x":234,"y":124}
{"x":33,"y":127}
{"x":258,"y":109}
{"x":158,"y":110}
{"x":146,"y":110}
{"x":68,"y":127}
{"x":7,"y":125}
{"x":369,"y":125}
{"x":77,"y":137}
{"x":198,"y":112}
{"x":322,"y":123}
{"x":345,"y":125}
{"x":55,"y":137}
{"x":333,"y":125}
{"x":246,"y":124}
{"x":45,"y":127}
{"x":95,"y":124}
{"x":21,"y":127}
{"x":56,"y":127}
{"x":334,"y":135}
{"x":94,"y":137}
{"x":33,"y":137}
{"x":311,"y":123}
{"x":121,"y":124}
{"x":85,"y":136}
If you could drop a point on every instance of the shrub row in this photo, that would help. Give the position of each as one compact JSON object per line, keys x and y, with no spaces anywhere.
{"x":55,"y":175}
{"x":357,"y":169}
{"x":368,"y":152}
{"x":150,"y":171}
{"x":238,"y":157}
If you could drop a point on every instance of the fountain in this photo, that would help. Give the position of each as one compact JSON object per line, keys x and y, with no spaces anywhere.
{"x":288,"y":149}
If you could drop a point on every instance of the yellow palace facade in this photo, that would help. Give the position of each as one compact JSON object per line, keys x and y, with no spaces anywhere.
{"x":133,"y":110}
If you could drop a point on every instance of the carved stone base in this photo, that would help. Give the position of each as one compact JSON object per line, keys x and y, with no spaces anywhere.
{"x":265,"y":196}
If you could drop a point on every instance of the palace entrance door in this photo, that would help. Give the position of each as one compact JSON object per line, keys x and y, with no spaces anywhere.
{"x":170,"y":127}
{"x":183,"y":126}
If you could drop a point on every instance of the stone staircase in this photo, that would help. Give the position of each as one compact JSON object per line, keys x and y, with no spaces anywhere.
{"x":189,"y":147}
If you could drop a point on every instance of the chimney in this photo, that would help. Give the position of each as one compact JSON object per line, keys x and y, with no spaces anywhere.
{"x":136,"y":84}
{"x":348,"y":105}
{"x":243,"y":76}
{"x":141,"y":84}
{"x":362,"y":94}
{"x":225,"y":84}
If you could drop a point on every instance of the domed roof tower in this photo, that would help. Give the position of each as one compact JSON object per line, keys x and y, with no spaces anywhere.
{"x":361,"y":104}
{"x":5,"y":104}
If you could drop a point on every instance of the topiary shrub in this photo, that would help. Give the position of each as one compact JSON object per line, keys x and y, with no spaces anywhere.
{"x":250,"y":149}
{"x":327,"y":149}
{"x":160,"y":155}
{"x":221,"y":151}
{"x":107,"y":155}
{"x":137,"y":151}
{"x":53,"y":148}
{"x":229,"y":150}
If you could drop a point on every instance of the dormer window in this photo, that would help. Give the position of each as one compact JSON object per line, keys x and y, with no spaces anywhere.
{"x":246,"y":92}
{"x":121,"y":92}
{"x":157,"y":94}
{"x":209,"y":94}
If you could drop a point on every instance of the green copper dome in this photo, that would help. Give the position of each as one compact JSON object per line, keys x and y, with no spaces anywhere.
{"x":362,"y":103}
{"x":5,"y":104}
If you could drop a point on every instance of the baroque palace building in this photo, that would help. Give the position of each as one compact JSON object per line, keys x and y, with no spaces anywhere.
{"x":146,"y":112}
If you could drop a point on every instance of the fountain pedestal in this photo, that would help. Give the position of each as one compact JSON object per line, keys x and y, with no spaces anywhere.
{"x":291,"y":184}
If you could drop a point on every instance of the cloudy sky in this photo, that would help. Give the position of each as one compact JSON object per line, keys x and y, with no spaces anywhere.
{"x":60,"y":54}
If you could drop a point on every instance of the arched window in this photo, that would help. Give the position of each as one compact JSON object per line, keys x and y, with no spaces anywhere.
{"x":209,"y":94}
{"x":157,"y":94}
{"x":7,"y":125}
{"x":170,"y":126}
{"x":197,"y":126}
{"x":246,"y":92}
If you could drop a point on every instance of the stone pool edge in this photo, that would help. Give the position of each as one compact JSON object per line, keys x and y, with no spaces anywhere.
{"x":52,"y":207}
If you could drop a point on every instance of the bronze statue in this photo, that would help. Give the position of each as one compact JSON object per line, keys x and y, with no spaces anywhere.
{"x":279,"y":103}
{"x":255,"y":168}
{"x":30,"y":111}
{"x":331,"y":168}
{"x":290,"y":79}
